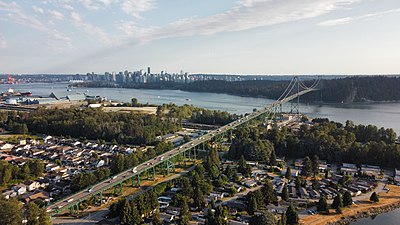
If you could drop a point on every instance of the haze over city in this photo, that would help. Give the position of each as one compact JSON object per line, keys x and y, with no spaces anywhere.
{"x":224,"y":36}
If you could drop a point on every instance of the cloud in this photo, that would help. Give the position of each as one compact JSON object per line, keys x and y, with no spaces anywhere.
{"x":96,"y":4}
{"x":3,"y":43}
{"x":136,"y":7}
{"x":59,"y":42}
{"x":56,"y":14}
{"x":15,"y":14}
{"x":37,"y":9}
{"x":90,"y":28}
{"x":245,"y":15}
{"x":347,"y":20}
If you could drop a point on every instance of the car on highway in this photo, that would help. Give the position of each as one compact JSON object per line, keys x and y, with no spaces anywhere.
{"x":69,"y":200}
{"x":134,"y":170}
{"x":90,"y":190}
{"x":114,"y":177}
{"x":161,"y":158}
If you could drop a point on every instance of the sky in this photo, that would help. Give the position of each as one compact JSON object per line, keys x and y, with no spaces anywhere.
{"x":200,"y":36}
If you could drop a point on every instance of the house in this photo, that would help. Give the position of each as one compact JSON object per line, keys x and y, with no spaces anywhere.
{"x":167,"y":218}
{"x":6,"y":146}
{"x":323,"y":166}
{"x":298,"y":164}
{"x":38,"y":195}
{"x":20,"y":189}
{"x":372,"y":171}
{"x":32,"y":185}
{"x":397,"y":176}
{"x":9,"y":194}
{"x":349,"y":169}
{"x":217,"y":195}
{"x":303,"y":193}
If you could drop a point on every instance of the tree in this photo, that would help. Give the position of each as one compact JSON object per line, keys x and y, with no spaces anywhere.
{"x":347,"y":200}
{"x":315,"y":164}
{"x":322,"y":205}
{"x":268,"y":193}
{"x":10,"y":211}
{"x":306,"y":170}
{"x":186,"y":138}
{"x":272,"y":158}
{"x":126,"y":215}
{"x":285,"y":193}
{"x":33,"y":212}
{"x":252,"y":205}
{"x":337,"y":202}
{"x":243,"y":167}
{"x":221,"y":215}
{"x":264,"y":218}
{"x":134,"y":101}
{"x":283,"y":219}
{"x":292,"y":217}
{"x":374,"y":197}
{"x":288,"y":174}
{"x":157,"y":218}
{"x":198,"y":198}
{"x":184,"y":215}
{"x":44,"y":218}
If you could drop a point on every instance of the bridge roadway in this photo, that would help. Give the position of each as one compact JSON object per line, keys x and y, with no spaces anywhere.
{"x":65,"y":203}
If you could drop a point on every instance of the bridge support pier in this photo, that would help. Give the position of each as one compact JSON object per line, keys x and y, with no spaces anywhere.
{"x":137,"y":183}
{"x":118,"y":189}
{"x":169,"y":167}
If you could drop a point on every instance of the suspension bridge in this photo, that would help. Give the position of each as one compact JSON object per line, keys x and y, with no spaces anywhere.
{"x":190,"y":150}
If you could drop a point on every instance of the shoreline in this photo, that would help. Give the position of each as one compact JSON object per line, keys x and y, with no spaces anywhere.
{"x":365,"y":214}
{"x":388,"y":201}
{"x":80,"y":85}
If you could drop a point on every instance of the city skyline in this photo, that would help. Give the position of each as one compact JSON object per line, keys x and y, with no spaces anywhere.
{"x":224,"y":37}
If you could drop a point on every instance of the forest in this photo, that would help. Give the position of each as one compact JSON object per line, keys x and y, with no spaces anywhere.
{"x":121,"y":128}
{"x":328,"y":140}
{"x":341,"y":90}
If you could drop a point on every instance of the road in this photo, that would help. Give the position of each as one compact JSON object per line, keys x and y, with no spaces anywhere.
{"x":73,"y":199}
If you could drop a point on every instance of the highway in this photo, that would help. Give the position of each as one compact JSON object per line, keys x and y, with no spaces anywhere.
{"x":75,"y":198}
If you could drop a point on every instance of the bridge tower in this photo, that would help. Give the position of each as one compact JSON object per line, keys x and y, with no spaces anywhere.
{"x":294,"y":104}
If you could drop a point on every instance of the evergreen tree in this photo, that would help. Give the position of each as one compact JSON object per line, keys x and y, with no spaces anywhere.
{"x":347,"y":200}
{"x":136,"y":217}
{"x":221,"y":215}
{"x":288,"y":174}
{"x":264,"y":218}
{"x":272,"y":158}
{"x":315,"y":164}
{"x":210,"y":220}
{"x":285,"y":194}
{"x":243,"y":167}
{"x":292,"y":217}
{"x":306,"y":170}
{"x":337,"y":202}
{"x":184,"y":215}
{"x":10,"y":211}
{"x":374,"y":197}
{"x":157,"y":218}
{"x":322,"y":205}
{"x":283,"y":219}
{"x":44,"y":218}
{"x":126,"y":215}
{"x":33,"y":212}
{"x":252,"y":205}
{"x":198,"y":198}
{"x":268,"y":193}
